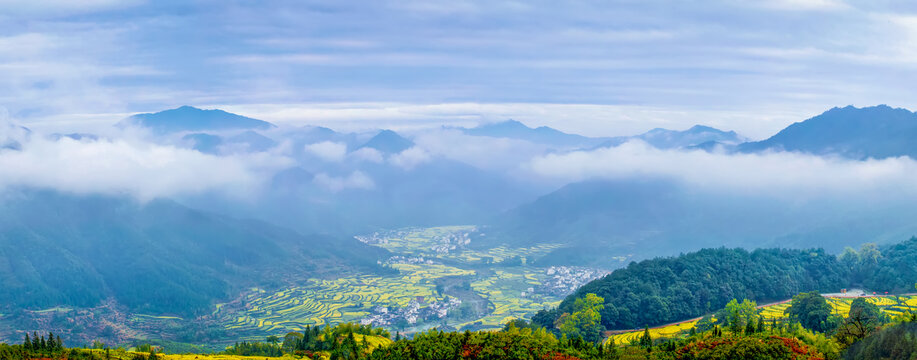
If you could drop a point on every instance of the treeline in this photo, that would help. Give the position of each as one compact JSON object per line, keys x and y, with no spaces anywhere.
{"x":52,"y":347}
{"x":510,"y":343}
{"x":665,"y":290}
{"x":344,"y":341}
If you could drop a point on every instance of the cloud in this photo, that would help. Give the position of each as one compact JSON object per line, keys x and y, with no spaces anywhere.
{"x":489,"y":153}
{"x":368,"y":154}
{"x":804,"y":5}
{"x":773,"y":173}
{"x":356,"y":180}
{"x":410,"y":158}
{"x":143,"y":170}
{"x":328,"y":150}
{"x":53,"y":8}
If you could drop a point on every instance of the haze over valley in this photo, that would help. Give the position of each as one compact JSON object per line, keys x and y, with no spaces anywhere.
{"x":459,"y":179}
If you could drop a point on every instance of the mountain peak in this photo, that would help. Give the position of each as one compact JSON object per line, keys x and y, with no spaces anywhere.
{"x":506,"y":125}
{"x":388,"y":142}
{"x":189,"y":118}
{"x":869,"y":132}
{"x":696,"y":135}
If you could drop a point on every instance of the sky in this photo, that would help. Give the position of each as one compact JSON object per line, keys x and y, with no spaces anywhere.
{"x":589,"y":67}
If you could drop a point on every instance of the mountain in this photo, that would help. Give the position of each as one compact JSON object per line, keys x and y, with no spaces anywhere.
{"x":671,"y":289}
{"x":187,"y":118}
{"x":513,"y":129}
{"x":159,"y":257}
{"x":665,"y":290}
{"x":12,"y":136}
{"x":388,"y":142}
{"x":859,"y":133}
{"x":642,"y":218}
{"x":697,"y":137}
{"x":247,"y":141}
{"x":205,"y":143}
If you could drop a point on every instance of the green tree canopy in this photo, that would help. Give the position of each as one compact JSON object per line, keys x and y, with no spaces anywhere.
{"x":811,"y":310}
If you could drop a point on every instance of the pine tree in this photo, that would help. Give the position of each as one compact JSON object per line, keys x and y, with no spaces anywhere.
{"x":750,"y":327}
{"x":611,"y":351}
{"x":27,"y":344}
{"x":646,"y":341}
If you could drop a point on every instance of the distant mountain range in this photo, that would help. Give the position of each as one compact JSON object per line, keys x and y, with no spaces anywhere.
{"x":697,"y":136}
{"x":641,"y":217}
{"x":858,"y":133}
{"x":512,"y":129}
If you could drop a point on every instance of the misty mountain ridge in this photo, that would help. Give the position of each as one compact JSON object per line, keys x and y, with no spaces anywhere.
{"x":158,"y":257}
{"x":512,"y":129}
{"x":858,"y":133}
{"x":189,"y":118}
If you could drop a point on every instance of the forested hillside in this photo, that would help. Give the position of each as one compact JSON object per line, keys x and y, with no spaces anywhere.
{"x":159,"y":257}
{"x":665,"y":290}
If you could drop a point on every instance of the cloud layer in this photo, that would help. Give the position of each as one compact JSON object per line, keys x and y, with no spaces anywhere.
{"x":752,"y":66}
{"x":781,"y":174}
{"x":133,"y":168}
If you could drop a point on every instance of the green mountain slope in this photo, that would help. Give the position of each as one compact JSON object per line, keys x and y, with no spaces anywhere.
{"x":159,"y":257}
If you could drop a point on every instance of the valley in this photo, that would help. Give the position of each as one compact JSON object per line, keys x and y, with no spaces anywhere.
{"x":440,"y":281}
{"x":443,"y":277}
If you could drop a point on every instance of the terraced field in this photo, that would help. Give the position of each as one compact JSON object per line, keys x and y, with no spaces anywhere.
{"x":660,"y":332}
{"x":508,"y":289}
{"x":891,"y":305}
{"x":421,"y":242}
{"x":345,"y":299}
{"x":352,"y":298}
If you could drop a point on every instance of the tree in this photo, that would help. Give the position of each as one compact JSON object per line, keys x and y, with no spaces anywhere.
{"x":610,"y":351}
{"x":27,"y":344}
{"x":585,"y":321}
{"x":273,"y":339}
{"x":750,"y":328}
{"x":740,"y":315}
{"x":812,"y":311}
{"x":646,"y":340}
{"x":863,"y":319}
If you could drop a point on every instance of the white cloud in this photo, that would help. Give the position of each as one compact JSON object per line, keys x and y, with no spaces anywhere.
{"x":804,"y":5}
{"x":484,"y":152}
{"x":46,"y":8}
{"x":356,"y":180}
{"x":328,"y":150}
{"x":410,"y":158}
{"x":368,"y":154}
{"x":774,"y":173}
{"x":142,"y":170}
